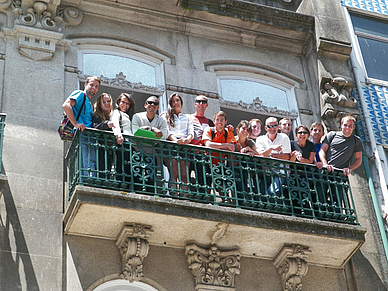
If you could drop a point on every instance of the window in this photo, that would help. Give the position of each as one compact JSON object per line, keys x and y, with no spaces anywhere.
{"x":372,"y":35}
{"x":248,"y":95}
{"x":123,"y":71}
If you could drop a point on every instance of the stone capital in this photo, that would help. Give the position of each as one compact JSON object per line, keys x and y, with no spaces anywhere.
{"x":133,"y":245}
{"x":291,"y":265}
{"x":213,"y":269}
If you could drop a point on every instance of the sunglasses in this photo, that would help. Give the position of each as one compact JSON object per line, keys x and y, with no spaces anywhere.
{"x":201,"y":101}
{"x":271,"y":125}
{"x":153,"y":103}
{"x":302,"y":132}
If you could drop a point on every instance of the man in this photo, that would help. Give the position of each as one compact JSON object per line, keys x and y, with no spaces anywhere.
{"x":341,"y":150}
{"x":285,"y":126}
{"x":255,"y":125}
{"x":72,"y":107}
{"x":317,"y":132}
{"x":149,"y":120}
{"x":200,"y":122}
{"x":275,"y":145}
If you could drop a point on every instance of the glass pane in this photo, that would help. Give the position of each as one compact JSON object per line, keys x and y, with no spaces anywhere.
{"x":370,"y":25}
{"x":109,"y":65}
{"x":375,"y":54}
{"x":247,"y":91}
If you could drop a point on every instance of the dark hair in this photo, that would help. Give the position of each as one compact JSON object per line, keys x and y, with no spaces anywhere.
{"x":131,"y":109}
{"x":244,"y":122}
{"x":316,"y":124}
{"x":304,"y":127}
{"x":170,"y":110}
{"x":98,"y":108}
{"x":93,"y":78}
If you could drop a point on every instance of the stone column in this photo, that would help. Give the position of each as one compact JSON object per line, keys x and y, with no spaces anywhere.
{"x":212,"y":268}
{"x":291,"y":265}
{"x":133,"y":245}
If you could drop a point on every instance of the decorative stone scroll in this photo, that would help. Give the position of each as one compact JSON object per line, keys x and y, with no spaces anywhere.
{"x":44,"y":14}
{"x":120,"y":81}
{"x":213,"y":269}
{"x":133,"y":245}
{"x":337,"y":101}
{"x":291,"y":265}
{"x":257,"y":105}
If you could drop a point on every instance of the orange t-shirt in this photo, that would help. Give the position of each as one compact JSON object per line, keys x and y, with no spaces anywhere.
{"x":218,"y":137}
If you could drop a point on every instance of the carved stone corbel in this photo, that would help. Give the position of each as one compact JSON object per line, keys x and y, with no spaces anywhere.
{"x":45,"y":14}
{"x":291,"y":265}
{"x":133,"y":245}
{"x":337,"y":101}
{"x":212,"y":268}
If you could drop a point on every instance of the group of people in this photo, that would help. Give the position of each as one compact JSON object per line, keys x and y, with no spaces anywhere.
{"x":338,"y":150}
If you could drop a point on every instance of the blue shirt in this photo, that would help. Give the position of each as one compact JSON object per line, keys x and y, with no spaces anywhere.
{"x":86,"y":116}
{"x":317,"y":148}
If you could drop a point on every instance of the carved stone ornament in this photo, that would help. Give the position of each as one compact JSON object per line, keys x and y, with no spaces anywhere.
{"x":120,"y":81}
{"x":291,"y":265}
{"x":257,"y":105}
{"x":133,"y":245}
{"x":337,"y":101}
{"x":212,"y":268}
{"x":44,"y":14}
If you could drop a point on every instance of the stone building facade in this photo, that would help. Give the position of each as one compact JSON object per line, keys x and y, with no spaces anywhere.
{"x":257,"y":58}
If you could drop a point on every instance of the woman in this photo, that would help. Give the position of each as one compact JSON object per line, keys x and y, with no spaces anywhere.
{"x":101,"y":120}
{"x":181,"y":131}
{"x":244,"y":144}
{"x":121,"y":118}
{"x":302,"y":150}
{"x":247,"y":146}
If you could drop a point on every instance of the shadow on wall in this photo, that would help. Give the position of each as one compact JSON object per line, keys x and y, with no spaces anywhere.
{"x":16,"y":260}
{"x":365,"y":275}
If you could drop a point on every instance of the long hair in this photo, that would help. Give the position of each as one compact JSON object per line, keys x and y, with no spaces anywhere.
{"x":241,"y":124}
{"x":98,"y":106}
{"x":170,"y":110}
{"x":131,"y":109}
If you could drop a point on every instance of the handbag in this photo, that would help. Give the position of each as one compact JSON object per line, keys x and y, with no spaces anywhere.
{"x":66,"y":130}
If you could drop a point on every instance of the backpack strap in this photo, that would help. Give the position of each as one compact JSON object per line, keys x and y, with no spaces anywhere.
{"x":80,"y":110}
{"x":213,"y":133}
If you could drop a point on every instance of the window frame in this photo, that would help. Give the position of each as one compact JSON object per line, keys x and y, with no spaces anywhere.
{"x":354,"y":36}
{"x":157,"y":64}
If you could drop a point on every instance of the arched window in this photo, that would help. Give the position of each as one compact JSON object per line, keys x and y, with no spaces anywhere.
{"x":247,"y":95}
{"x":124,"y":285}
{"x":122,"y":70}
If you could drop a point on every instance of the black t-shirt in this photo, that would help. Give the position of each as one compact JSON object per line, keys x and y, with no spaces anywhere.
{"x":306,"y":150}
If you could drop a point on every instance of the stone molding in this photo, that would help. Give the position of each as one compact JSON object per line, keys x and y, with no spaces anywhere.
{"x":133,"y":245}
{"x":337,"y":101}
{"x":213,"y":269}
{"x":44,"y":15}
{"x":254,"y":12}
{"x":291,"y":265}
{"x":121,"y":82}
{"x":257,"y":105}
{"x":36,"y":44}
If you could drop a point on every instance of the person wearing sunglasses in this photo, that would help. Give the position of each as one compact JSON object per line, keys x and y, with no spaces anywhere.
{"x":150,"y":120}
{"x":303,"y":150}
{"x":274,"y":145}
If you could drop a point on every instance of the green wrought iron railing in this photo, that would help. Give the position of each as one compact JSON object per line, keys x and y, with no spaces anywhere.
{"x":2,"y":125}
{"x":146,"y":166}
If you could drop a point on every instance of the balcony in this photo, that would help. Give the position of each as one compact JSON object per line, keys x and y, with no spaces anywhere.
{"x":224,"y":190}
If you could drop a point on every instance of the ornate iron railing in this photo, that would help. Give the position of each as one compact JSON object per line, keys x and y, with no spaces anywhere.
{"x":223,"y":178}
{"x":2,"y":125}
